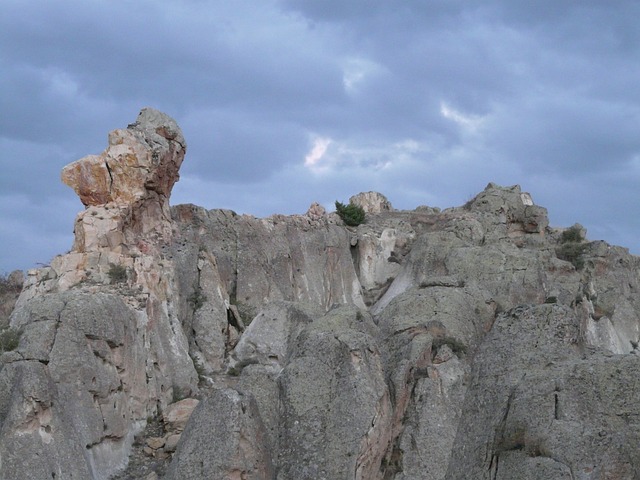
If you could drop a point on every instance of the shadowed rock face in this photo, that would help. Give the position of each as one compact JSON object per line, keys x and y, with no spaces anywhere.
{"x":474,"y":342}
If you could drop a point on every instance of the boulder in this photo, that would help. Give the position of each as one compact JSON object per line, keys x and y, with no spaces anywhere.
{"x":336,"y":410}
{"x":177,"y":414}
{"x":371,"y":202}
{"x":316,"y":212}
{"x":141,"y":160}
{"x":507,"y":211}
{"x":225,"y":438}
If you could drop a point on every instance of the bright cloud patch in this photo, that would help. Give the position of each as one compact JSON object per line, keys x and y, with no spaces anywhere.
{"x":328,"y":155}
{"x":355,"y":71}
{"x":468,"y":121}
{"x":314,"y":158}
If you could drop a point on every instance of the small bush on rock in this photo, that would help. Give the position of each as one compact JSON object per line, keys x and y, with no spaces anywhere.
{"x":572,"y":247}
{"x":9,"y":339}
{"x":117,"y":273}
{"x":7,"y":286}
{"x":572,"y":234}
{"x":572,"y":252}
{"x":352,"y":215}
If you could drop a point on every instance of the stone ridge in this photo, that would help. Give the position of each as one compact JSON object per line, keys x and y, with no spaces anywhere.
{"x":471,"y":342}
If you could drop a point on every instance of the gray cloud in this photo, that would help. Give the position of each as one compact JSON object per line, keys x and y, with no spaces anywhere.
{"x":287,"y":102}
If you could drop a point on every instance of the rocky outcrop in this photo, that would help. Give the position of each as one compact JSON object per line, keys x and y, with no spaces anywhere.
{"x":371,"y":202}
{"x":557,"y":411}
{"x":473,"y":342}
{"x":100,"y":331}
{"x":127,"y":187}
{"x":225,"y":439}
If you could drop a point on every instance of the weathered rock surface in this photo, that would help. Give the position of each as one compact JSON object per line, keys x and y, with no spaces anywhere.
{"x":372,"y":202}
{"x":225,"y":439}
{"x":474,"y":342}
{"x":100,"y":326}
{"x":557,"y":411}
{"x":335,"y":367}
{"x":141,"y":159}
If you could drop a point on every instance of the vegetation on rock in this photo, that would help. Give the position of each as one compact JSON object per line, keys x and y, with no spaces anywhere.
{"x":351,"y":214}
{"x":7,"y":286}
{"x":117,"y":273}
{"x":9,"y":339}
{"x":572,"y":247}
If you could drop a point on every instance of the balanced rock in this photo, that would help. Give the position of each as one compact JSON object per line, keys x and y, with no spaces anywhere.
{"x":127,"y":187}
{"x":141,"y":159}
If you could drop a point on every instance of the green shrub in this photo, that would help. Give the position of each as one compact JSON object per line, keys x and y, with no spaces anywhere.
{"x":572,"y":252}
{"x":572,"y":247}
{"x":352,"y":215}
{"x":6,"y":286}
{"x":9,"y":339}
{"x":117,"y":273}
{"x":572,"y":234}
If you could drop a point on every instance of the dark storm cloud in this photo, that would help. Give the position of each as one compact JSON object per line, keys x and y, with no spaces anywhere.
{"x":287,"y":102}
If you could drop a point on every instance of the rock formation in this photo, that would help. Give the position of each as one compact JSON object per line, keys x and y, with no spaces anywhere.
{"x":474,"y":342}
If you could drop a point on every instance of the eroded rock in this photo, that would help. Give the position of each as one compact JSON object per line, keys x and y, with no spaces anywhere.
{"x":224,"y":439}
{"x":424,"y":344}
{"x":141,"y":160}
{"x":372,"y":202}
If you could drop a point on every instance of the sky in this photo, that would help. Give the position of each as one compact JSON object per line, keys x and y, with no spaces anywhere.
{"x":287,"y":102}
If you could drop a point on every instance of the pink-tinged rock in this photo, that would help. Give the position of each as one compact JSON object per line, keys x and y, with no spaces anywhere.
{"x":127,"y":187}
{"x":155,"y":442}
{"x":141,"y":159}
{"x":371,"y":202}
{"x":172,"y":442}
{"x":177,"y":414}
{"x":89,"y":178}
{"x":316,"y":211}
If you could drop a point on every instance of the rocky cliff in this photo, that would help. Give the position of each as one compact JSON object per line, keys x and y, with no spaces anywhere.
{"x":475,"y":342}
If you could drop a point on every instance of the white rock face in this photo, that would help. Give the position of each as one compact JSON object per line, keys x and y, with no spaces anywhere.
{"x":372,"y":202}
{"x":379,"y":257}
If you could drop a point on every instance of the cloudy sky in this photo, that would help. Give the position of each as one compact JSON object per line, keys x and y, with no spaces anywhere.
{"x":286,"y":102}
